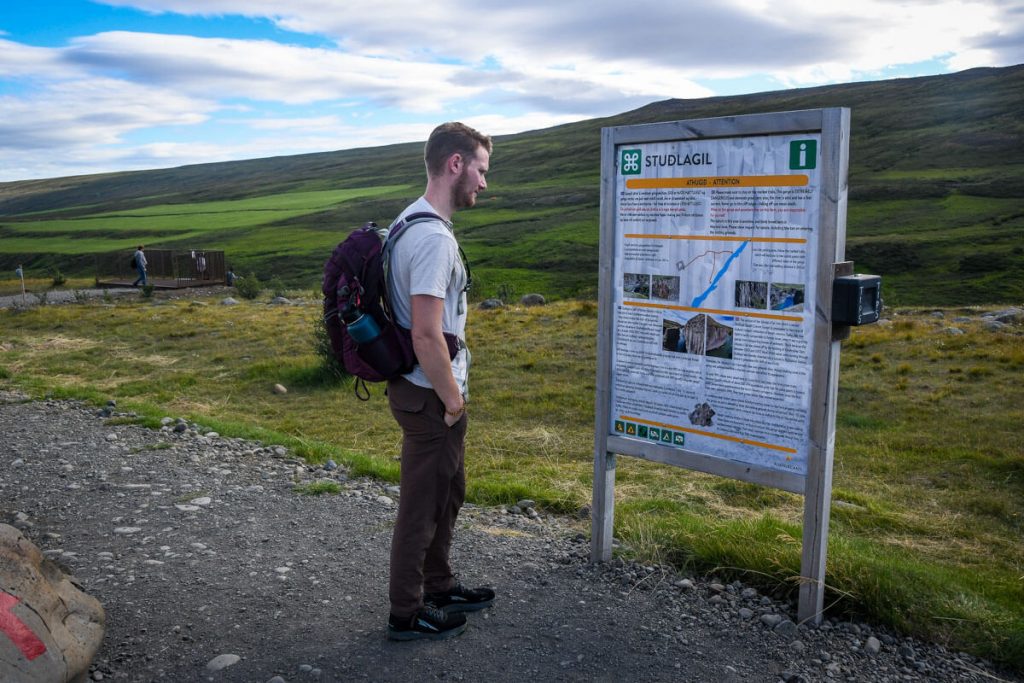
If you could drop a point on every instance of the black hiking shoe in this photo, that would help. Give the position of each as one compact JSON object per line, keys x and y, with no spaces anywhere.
{"x":461,"y":599}
{"x":430,"y":623}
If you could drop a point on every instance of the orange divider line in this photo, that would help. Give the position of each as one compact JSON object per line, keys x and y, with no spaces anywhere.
{"x":724,"y":437}
{"x":738,"y":314}
{"x":795,"y":180}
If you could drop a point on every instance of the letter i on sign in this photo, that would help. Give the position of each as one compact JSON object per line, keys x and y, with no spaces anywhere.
{"x":803,"y":154}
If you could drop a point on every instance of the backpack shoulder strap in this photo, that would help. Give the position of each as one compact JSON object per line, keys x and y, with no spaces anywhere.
{"x":396,"y":230}
{"x":399,"y":226}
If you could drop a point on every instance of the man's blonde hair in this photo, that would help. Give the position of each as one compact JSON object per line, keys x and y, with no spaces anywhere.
{"x":452,"y":138}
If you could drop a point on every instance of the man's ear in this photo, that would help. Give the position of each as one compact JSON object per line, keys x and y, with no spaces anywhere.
{"x":455,"y":162}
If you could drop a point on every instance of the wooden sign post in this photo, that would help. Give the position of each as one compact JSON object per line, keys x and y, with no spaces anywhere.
{"x":719,"y":244}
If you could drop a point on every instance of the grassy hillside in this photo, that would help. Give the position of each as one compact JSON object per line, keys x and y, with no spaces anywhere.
{"x":936,"y":197}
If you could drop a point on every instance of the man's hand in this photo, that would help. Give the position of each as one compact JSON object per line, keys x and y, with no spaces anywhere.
{"x":452,"y":416}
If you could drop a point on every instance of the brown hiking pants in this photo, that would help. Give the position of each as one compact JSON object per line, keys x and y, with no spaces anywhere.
{"x":433,"y":487}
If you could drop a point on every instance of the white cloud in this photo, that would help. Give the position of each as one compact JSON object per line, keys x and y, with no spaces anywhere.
{"x":396,"y":64}
{"x":727,"y":38}
{"x":23,"y":61}
{"x":90,"y":112}
{"x":264,"y":70}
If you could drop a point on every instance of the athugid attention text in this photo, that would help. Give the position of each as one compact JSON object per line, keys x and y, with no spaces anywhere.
{"x":695,"y":159}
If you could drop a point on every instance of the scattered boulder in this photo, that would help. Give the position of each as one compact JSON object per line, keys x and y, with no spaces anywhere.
{"x":1009,"y":316}
{"x":280,"y":389}
{"x":489,"y":304}
{"x":229,"y":301}
{"x":533,"y":300}
{"x":52,"y":629}
{"x":281,"y":301}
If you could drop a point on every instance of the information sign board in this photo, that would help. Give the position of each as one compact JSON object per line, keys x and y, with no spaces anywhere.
{"x":715,"y":258}
{"x":715,"y":352}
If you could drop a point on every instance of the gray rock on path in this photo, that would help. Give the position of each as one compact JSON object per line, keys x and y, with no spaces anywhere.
{"x":533,"y":300}
{"x":222,"y":662}
{"x":787,"y":629}
{"x":491,"y":304}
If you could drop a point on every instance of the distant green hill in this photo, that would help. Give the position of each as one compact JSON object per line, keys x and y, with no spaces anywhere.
{"x":936,"y":197}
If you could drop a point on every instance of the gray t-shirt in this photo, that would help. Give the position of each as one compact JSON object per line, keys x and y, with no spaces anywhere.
{"x":425,"y":260}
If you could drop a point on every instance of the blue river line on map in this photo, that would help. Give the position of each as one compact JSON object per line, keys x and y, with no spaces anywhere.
{"x":714,"y":283}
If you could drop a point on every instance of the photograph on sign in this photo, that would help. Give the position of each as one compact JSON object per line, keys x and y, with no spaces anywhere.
{"x":715,"y":263}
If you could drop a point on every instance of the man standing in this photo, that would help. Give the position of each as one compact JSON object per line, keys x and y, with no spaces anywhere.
{"x":140,"y":265}
{"x":427,"y":283}
{"x":21,"y":276}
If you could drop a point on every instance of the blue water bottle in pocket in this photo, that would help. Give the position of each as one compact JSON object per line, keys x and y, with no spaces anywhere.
{"x":360,"y":325}
{"x":376,"y":349}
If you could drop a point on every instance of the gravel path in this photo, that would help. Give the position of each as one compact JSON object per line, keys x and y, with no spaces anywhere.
{"x":211,"y":567}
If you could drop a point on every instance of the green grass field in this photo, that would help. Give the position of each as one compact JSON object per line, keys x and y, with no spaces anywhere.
{"x":231,"y":223}
{"x":928,"y":513}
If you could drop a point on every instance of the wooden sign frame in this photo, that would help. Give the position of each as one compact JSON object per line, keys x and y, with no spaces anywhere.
{"x":833,"y":126}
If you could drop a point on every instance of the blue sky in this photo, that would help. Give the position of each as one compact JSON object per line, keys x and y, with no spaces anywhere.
{"x":91,"y":86}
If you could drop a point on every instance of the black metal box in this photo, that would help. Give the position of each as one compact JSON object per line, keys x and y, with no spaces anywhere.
{"x":856,"y":299}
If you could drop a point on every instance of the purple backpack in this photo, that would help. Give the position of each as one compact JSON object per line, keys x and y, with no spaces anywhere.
{"x":355,"y":285}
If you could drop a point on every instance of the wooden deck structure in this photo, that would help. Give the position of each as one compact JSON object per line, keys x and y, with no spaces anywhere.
{"x":166,"y":268}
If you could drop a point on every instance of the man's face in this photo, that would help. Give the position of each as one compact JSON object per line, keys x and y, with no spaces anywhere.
{"x":472,"y":179}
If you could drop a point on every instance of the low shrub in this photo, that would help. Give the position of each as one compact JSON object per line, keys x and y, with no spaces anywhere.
{"x":324,"y":351}
{"x":248,"y":287}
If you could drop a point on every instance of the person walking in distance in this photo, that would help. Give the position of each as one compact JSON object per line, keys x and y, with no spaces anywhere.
{"x":140,"y":266}
{"x":427,"y":283}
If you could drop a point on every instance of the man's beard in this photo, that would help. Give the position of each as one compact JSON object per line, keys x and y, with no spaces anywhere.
{"x":464,"y":193}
